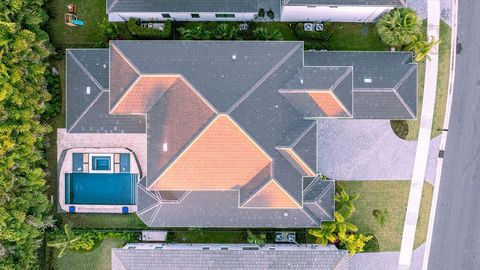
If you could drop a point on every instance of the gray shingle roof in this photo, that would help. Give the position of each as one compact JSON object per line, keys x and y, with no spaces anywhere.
{"x":306,"y":258}
{"x":89,"y":112}
{"x":390,"y":3}
{"x":182,"y":6}
{"x":241,"y":79}
{"x":377,"y":73}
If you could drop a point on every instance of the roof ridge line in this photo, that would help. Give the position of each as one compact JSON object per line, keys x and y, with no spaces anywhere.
{"x":404,"y":103}
{"x":311,"y":215}
{"x":325,"y":189}
{"x":263,"y":79}
{"x":404,"y":77}
{"x":181,"y":151}
{"x":87,"y":109}
{"x":129,"y":62}
{"x":112,"y":5}
{"x":85,"y":70}
{"x":340,"y":79}
{"x":383,"y":90}
{"x":272,"y":179}
{"x":323,"y":210}
{"x":297,"y":140}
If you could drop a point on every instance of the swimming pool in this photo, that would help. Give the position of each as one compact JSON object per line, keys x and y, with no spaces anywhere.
{"x":100,"y":188}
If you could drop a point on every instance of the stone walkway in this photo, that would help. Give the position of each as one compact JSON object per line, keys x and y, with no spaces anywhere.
{"x":421,"y":157}
{"x":367,"y":150}
{"x":385,"y":260}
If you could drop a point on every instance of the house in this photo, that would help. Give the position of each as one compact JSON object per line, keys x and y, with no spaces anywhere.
{"x":337,"y":10}
{"x":217,"y":133}
{"x":248,"y":10}
{"x":228,"y":256}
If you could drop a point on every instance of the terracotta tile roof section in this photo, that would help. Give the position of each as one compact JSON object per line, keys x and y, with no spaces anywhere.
{"x":122,"y":75}
{"x":144,"y":93}
{"x":173,"y":122}
{"x":329,"y":104}
{"x":296,"y":161}
{"x":272,"y":195}
{"x":222,"y":157}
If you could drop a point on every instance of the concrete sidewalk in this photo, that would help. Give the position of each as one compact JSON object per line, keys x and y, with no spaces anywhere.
{"x":421,"y":158}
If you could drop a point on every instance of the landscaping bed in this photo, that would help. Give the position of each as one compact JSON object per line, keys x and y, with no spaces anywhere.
{"x":411,"y":132}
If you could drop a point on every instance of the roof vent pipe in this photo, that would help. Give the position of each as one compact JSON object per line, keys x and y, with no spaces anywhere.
{"x":234,"y":57}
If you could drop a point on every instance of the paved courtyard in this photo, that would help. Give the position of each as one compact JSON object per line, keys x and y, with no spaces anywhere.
{"x":367,"y":150}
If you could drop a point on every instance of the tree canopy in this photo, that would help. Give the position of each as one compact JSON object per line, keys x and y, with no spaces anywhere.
{"x":399,"y":27}
{"x":23,"y":96}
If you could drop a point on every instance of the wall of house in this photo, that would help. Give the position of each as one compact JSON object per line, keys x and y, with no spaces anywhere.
{"x":333,"y":13}
{"x":179,"y":16}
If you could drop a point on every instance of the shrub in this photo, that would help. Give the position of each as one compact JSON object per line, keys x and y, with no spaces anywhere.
{"x":195,"y":33}
{"x":141,"y":32}
{"x":109,"y":30}
{"x":400,"y":128}
{"x":270,"y":14}
{"x":381,"y":215}
{"x":54,"y":105}
{"x":372,"y":245}
{"x":261,"y":13}
{"x":262,"y":33}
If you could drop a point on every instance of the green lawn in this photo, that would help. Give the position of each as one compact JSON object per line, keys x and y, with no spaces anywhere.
{"x":97,"y":259}
{"x":393,"y":196}
{"x":442,"y":87}
{"x":356,"y":37}
{"x":98,"y":221}
{"x":63,"y":36}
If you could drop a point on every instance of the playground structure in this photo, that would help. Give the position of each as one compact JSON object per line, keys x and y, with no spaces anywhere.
{"x":70,"y":17}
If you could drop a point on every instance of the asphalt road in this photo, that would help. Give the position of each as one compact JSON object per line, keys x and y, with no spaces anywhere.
{"x":456,"y":234}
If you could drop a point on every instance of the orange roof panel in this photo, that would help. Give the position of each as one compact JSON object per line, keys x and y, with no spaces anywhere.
{"x":143,"y":94}
{"x":272,"y":195}
{"x":328,"y":103}
{"x":222,"y":157}
{"x":297,"y":162}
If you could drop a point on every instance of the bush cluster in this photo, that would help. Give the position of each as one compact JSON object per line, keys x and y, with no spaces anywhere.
{"x":141,"y":32}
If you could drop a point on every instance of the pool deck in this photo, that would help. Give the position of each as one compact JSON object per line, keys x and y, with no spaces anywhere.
{"x":135,"y":144}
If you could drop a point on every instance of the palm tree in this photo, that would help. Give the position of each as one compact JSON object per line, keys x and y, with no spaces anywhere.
{"x":344,"y":200}
{"x":342,"y":225}
{"x":354,"y":243}
{"x":325,"y":234}
{"x":226,"y":32}
{"x":262,"y":33}
{"x":399,"y":27}
{"x":421,"y":47}
{"x":259,"y":239}
{"x":63,"y":244}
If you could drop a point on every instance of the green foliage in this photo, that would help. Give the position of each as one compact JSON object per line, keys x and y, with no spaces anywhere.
{"x":257,"y":239}
{"x":227,"y":32}
{"x":420,"y":47}
{"x":270,"y":14}
{"x":54,"y":87}
{"x":399,"y":27}
{"x":261,"y":13}
{"x":141,"y":32}
{"x":316,"y":40}
{"x":196,"y":33}
{"x":381,"y":215}
{"x":372,"y":245}
{"x":23,"y":96}
{"x":400,"y":128}
{"x":354,"y":243}
{"x":325,"y":234}
{"x":83,"y":240}
{"x":262,"y":33}
{"x":344,"y":201}
{"x":109,"y":30}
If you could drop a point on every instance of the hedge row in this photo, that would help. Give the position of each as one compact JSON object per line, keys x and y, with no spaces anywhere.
{"x":149,"y":33}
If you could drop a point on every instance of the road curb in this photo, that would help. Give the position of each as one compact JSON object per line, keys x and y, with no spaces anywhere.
{"x":446,"y":122}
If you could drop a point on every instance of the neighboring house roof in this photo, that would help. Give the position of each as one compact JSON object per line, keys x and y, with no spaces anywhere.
{"x":389,"y":3}
{"x":182,"y":6}
{"x":196,"y":258}
{"x":232,"y":120}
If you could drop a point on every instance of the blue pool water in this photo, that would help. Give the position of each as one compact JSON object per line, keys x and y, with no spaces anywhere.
{"x":100,"y":188}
